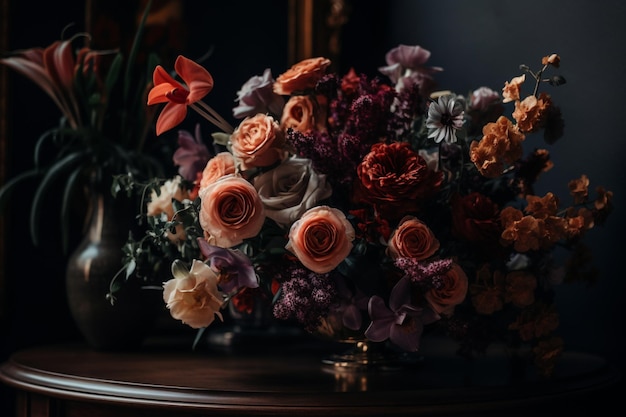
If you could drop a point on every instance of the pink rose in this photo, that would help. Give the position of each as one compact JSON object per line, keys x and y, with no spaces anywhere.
{"x":301,"y":76}
{"x":321,"y":239}
{"x":230,"y":212}
{"x":220,"y":165}
{"x":193,"y":296}
{"x":258,"y":141}
{"x":290,"y":189}
{"x":451,"y":291}
{"x":412,"y":239}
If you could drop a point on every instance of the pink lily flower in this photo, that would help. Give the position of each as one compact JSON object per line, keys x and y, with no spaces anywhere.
{"x":178,"y":96}
{"x":52,"y":69}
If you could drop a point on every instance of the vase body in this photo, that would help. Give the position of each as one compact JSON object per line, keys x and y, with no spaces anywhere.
{"x":90,"y":268}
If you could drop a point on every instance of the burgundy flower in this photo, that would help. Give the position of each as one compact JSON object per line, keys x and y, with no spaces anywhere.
{"x":475,"y":218}
{"x":395,"y":179}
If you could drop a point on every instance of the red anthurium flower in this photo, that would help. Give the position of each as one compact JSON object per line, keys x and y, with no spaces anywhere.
{"x":167,"y":90}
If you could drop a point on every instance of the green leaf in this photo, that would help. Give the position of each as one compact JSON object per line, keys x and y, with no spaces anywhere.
{"x":198,"y":337}
{"x":9,"y":186}
{"x":220,"y":138}
{"x":39,"y":152}
{"x":53,"y":173}
{"x":113,"y":74}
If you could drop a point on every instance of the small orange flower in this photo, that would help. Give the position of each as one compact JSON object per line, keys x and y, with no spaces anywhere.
{"x":500,"y":145}
{"x":553,"y":59}
{"x":520,"y":288}
{"x":542,"y":207}
{"x":579,"y":189}
{"x":487,"y":291}
{"x":511,"y":90}
{"x":546,"y":354}
{"x":537,"y":321}
{"x":167,"y":90}
{"x":531,"y":113}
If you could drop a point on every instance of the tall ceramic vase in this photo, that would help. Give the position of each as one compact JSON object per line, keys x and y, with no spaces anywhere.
{"x":90,"y":268}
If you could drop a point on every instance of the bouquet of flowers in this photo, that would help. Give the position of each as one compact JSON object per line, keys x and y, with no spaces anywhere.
{"x":371,"y":207}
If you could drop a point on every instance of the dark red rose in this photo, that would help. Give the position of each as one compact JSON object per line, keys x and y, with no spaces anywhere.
{"x":475,"y":218}
{"x":395,"y":180}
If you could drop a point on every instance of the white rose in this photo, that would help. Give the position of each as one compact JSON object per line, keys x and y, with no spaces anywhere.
{"x":290,"y":189}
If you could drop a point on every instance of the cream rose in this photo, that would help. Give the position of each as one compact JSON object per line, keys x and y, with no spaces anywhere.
{"x":290,"y":189}
{"x":193,"y":296}
{"x":450,"y":293}
{"x":321,"y":239}
{"x":412,"y":239}
{"x":220,"y":165}
{"x":230,"y":212}
{"x":258,"y":141}
{"x":161,"y":205}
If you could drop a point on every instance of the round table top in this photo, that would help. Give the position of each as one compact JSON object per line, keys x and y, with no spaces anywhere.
{"x":289,"y":381}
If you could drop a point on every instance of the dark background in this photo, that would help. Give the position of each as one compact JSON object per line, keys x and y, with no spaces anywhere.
{"x":478,"y":43}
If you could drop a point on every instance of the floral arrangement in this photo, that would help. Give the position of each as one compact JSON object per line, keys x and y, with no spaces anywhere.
{"x":372,"y":207}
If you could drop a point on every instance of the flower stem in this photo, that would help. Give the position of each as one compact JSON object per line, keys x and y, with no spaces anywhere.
{"x":211,"y":115}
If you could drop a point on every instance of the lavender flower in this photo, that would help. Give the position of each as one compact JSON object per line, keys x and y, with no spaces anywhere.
{"x":424,"y":273}
{"x":306,"y":297}
{"x":401,"y":323}
{"x":192,"y":155}
{"x":233,"y":266}
{"x":405,"y":67}
{"x":257,"y":96}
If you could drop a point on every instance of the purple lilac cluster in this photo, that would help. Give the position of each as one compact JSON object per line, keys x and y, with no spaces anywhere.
{"x":306,"y":297}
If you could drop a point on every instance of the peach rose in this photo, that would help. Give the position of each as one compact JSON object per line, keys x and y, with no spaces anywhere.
{"x":321,"y":239}
{"x":220,"y":165}
{"x":290,"y":189}
{"x":230,"y":212}
{"x":193,"y":296}
{"x":412,"y":239}
{"x":258,"y":141}
{"x":299,"y":114}
{"x":301,"y":76}
{"x":450,"y":292}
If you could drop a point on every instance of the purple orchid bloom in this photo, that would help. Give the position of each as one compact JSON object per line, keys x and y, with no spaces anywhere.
{"x":405,"y":67}
{"x":257,"y":96}
{"x":192,"y":155}
{"x":351,"y":305}
{"x":402,"y":323}
{"x":234,"y":267}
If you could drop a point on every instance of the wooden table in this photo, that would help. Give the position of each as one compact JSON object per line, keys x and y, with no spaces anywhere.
{"x":75,"y":381}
